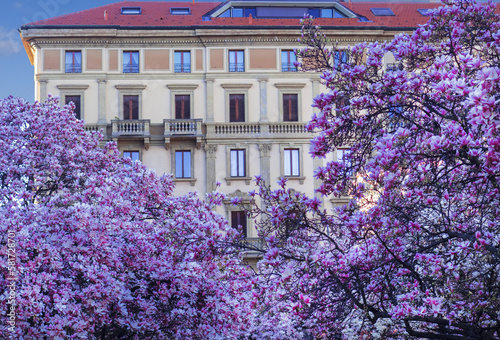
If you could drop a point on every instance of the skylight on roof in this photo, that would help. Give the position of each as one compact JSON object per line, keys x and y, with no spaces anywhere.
{"x":180,"y":10}
{"x":382,"y":12}
{"x":424,"y":11}
{"x":131,"y":10}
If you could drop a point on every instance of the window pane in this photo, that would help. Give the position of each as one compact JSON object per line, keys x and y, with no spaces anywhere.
{"x":187,"y":164}
{"x":182,"y":107}
{"x":290,"y":108}
{"x":182,"y":62}
{"x":236,"y":61}
{"x":241,"y":163}
{"x":133,"y":155}
{"x":131,"y":62}
{"x":326,"y":13}
{"x":75,"y":100}
{"x":234,"y":163}
{"x":237,"y":12}
{"x":239,"y":218}
{"x":178,"y":164}
{"x":236,"y":108}
{"x":295,"y":162}
{"x":130,"y":107}
{"x":287,"y":162}
{"x":73,"y":61}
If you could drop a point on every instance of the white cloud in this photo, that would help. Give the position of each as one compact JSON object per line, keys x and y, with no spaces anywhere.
{"x":10,"y":41}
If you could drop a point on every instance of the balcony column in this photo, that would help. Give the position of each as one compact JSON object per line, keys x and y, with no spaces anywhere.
{"x":210,"y":100}
{"x":317,"y":162}
{"x":211,"y":154}
{"x":101,"y":105}
{"x":263,"y":99}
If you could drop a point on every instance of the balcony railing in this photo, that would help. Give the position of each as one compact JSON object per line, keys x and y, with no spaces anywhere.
{"x":185,"y":127}
{"x":236,"y":67}
{"x":182,"y":68}
{"x":236,"y":128}
{"x":74,"y":68}
{"x":122,"y":128}
{"x":132,"y":68}
{"x":182,"y":128}
{"x":257,"y":130}
{"x":288,"y":67}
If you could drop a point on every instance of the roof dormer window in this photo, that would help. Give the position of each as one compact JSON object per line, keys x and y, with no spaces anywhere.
{"x":131,"y":10}
{"x":382,"y":12}
{"x":424,"y":11}
{"x":180,"y":11}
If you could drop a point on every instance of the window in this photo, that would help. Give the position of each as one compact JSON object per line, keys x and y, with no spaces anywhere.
{"x":424,"y":11}
{"x":343,"y":157}
{"x":236,"y":61}
{"x":238,"y":163}
{"x":182,"y":106}
{"x":130,"y":107}
{"x":340,"y":57}
{"x":131,"y":62}
{"x":183,"y":164}
{"x":133,"y":155}
{"x":291,"y":162}
{"x":288,"y":59}
{"x":290,"y":108}
{"x":73,"y":61}
{"x":239,"y":219}
{"x":182,"y":62}
{"x":131,"y":10}
{"x":180,"y":11}
{"x":75,"y":100}
{"x":325,"y":13}
{"x":289,"y":101}
{"x":236,"y":107}
{"x":382,"y":12}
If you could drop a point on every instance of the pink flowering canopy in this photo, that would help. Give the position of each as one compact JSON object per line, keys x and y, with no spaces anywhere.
{"x":102,"y":248}
{"x":416,"y":251}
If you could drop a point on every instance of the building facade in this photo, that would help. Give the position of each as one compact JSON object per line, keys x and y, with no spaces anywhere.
{"x":207,"y":91}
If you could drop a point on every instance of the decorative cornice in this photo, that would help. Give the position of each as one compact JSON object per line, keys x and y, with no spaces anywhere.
{"x":130,"y":87}
{"x":182,"y":87}
{"x":295,"y":86}
{"x":236,"y":86}
{"x":66,"y":87}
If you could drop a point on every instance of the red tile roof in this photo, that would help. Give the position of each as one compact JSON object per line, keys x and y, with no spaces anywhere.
{"x":157,"y":14}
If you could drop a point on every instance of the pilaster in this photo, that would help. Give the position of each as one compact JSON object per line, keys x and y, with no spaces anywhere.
{"x":211,"y":154}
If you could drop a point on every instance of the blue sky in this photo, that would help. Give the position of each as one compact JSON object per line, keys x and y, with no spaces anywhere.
{"x":16,"y":72}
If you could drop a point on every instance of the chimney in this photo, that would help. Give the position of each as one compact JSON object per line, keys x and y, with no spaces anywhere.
{"x":105,"y":15}
{"x":250,"y":19}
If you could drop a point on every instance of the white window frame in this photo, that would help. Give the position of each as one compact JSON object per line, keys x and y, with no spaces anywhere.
{"x":236,"y":89}
{"x":290,"y":88}
{"x":283,"y":149}
{"x":74,"y":90}
{"x":230,"y":178}
{"x":130,"y":90}
{"x":183,"y":147}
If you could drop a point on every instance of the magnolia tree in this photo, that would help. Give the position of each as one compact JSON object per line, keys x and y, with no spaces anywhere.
{"x":416,"y":251}
{"x":96,"y":247}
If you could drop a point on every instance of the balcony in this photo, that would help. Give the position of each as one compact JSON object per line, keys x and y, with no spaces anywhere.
{"x":236,"y":67}
{"x":257,"y":130}
{"x":182,"y":128}
{"x":131,"y":68}
{"x":182,"y":68}
{"x":288,"y":67}
{"x":130,"y":129}
{"x":74,"y":68}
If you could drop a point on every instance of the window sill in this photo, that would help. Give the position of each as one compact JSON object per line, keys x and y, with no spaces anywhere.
{"x":295,"y":178}
{"x":230,"y":179}
{"x":192,"y":181}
